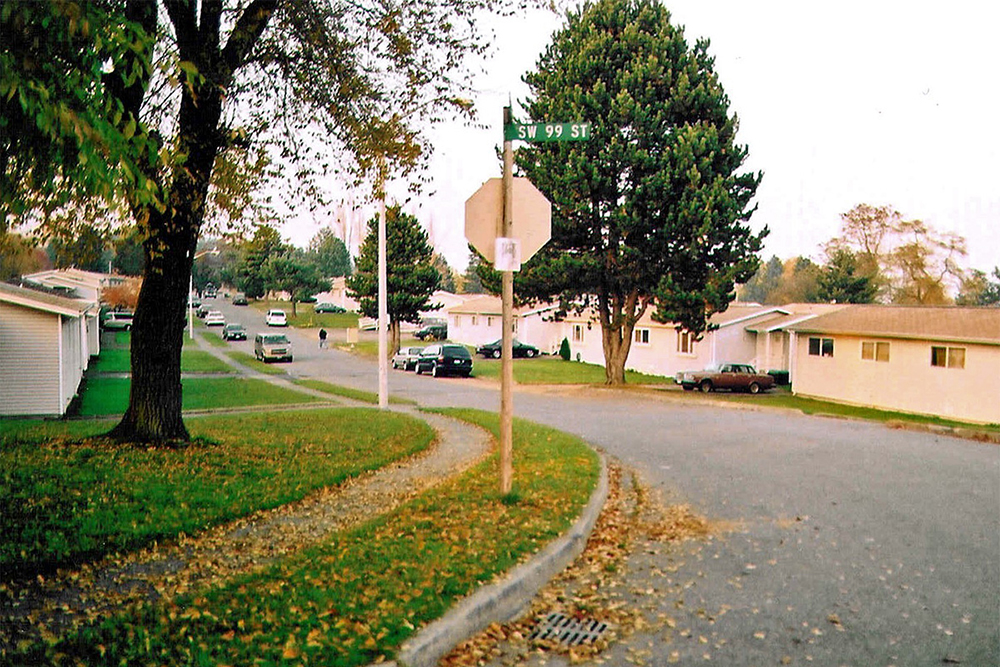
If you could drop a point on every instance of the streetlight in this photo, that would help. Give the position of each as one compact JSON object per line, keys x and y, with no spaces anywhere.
{"x":213,"y":251}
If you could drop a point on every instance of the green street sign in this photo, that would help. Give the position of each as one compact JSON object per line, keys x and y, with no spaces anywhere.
{"x":536,"y":132}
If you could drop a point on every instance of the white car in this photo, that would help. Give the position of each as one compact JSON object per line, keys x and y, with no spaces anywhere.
{"x":215,"y":318}
{"x":276,"y":318}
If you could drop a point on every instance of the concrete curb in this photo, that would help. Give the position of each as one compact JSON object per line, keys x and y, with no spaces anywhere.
{"x":508,"y":598}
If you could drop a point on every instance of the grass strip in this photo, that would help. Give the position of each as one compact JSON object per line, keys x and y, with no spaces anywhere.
{"x":251,"y":361}
{"x":214,"y":339}
{"x":351,"y":393}
{"x":356,"y":598}
{"x":783,"y":399}
{"x":557,"y":371}
{"x":109,"y":395}
{"x":68,"y":495}
{"x":117,"y":360}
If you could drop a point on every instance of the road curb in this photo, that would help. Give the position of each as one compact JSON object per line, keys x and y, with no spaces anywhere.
{"x":508,"y":598}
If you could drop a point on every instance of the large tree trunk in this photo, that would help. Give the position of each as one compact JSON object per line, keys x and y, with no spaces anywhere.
{"x":394,"y":336}
{"x":618,"y":317}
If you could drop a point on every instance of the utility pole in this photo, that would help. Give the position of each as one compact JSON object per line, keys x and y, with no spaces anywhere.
{"x":507,"y":340}
{"x":383,"y":297}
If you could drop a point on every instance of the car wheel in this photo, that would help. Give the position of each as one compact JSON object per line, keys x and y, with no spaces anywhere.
{"x":436,"y":371}
{"x":688,"y":387}
{"x":529,"y":353}
{"x":496,"y":354}
{"x":705,"y":386}
{"x":417,"y":369}
{"x":754,"y":388}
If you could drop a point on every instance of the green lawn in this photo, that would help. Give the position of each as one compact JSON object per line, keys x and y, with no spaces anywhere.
{"x":116,"y":360}
{"x":109,"y":395}
{"x":251,"y":361}
{"x":782,"y":398}
{"x":349,"y":392}
{"x":549,"y":370}
{"x":304,"y":316}
{"x":358,"y":596}
{"x":66,"y":497}
{"x":369,"y":348}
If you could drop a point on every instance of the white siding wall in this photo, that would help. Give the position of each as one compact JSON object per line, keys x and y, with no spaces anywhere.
{"x":29,"y":362}
{"x":74,"y":359}
{"x":907,"y":382}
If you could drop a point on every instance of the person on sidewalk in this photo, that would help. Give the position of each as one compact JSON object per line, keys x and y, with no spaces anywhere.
{"x":322,"y":338}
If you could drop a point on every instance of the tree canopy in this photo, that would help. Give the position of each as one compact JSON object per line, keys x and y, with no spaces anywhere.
{"x":411,"y":274}
{"x":175,"y":111}
{"x":652,"y":212}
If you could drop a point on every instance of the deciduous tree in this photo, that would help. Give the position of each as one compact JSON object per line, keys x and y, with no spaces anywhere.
{"x":652,"y":212}
{"x":410,"y":272}
{"x":978,"y":290}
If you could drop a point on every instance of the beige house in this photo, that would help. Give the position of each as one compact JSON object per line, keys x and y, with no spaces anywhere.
{"x":44,"y":350}
{"x":940,"y":361}
{"x":478,"y":321}
{"x":774,"y":338}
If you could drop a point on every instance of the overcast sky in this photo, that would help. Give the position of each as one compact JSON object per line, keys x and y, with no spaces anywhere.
{"x":880,"y":102}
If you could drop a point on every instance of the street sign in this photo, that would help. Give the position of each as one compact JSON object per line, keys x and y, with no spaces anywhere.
{"x":531,"y":218}
{"x":536,"y":132}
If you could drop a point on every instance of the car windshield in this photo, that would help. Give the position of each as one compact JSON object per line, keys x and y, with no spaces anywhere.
{"x":275,"y":339}
{"x":235,"y":327}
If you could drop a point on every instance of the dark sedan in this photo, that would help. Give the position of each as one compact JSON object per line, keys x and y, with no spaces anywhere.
{"x":234,"y":331}
{"x":324,"y":307}
{"x":445,"y":359}
{"x":519,"y":349}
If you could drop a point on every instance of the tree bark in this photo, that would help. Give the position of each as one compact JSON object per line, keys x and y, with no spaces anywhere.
{"x":618,"y":316}
{"x":394,"y":336}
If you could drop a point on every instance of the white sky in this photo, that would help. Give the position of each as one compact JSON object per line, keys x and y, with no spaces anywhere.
{"x":875,"y":101}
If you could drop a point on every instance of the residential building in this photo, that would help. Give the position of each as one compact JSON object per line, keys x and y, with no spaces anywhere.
{"x":479,"y":320}
{"x":44,"y":350}
{"x":940,"y":361}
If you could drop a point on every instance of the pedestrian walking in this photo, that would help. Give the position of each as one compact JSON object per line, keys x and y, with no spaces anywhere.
{"x":322,"y":338}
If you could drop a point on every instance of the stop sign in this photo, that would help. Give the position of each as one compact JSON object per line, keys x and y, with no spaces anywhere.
{"x":531,"y":220}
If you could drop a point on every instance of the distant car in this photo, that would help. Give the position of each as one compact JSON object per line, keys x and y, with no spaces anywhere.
{"x":194,"y":303}
{"x":734,"y":377}
{"x":432,"y":332}
{"x":120,"y":321}
{"x":406,"y":358}
{"x":215,"y":318}
{"x":234,"y":331}
{"x":276,"y":318}
{"x":324,"y":307}
{"x":445,"y":359}
{"x":239,"y":299}
{"x":202,"y":310}
{"x":518,"y":348}
{"x":272,"y":347}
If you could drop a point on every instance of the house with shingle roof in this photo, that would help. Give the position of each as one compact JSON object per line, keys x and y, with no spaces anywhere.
{"x":478,"y":320}
{"x":45,"y":346}
{"x":941,"y":361}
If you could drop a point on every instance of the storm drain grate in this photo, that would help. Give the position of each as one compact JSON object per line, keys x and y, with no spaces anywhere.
{"x":567,"y":630}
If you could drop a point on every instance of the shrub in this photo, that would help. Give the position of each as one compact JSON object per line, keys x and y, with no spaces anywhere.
{"x":564,"y":350}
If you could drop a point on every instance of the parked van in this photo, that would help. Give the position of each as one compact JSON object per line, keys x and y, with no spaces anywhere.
{"x":117,"y":321}
{"x":272,"y":347}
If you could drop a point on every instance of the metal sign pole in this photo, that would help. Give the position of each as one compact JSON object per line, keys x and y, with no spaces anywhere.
{"x":383,"y":306}
{"x":506,"y":360}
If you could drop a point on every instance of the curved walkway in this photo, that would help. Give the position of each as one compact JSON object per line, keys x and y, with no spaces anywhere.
{"x":47,"y":607}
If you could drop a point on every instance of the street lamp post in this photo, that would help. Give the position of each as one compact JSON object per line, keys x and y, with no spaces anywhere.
{"x":213,"y":251}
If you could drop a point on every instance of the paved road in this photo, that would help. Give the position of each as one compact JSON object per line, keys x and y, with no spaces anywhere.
{"x":853,"y":543}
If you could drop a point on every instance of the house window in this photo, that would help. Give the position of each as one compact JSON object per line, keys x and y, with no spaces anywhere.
{"x":821,"y":347}
{"x":577,"y":333}
{"x":458,"y":321}
{"x":685,"y":342}
{"x":949,"y":357}
{"x":515,"y":326}
{"x":475,"y":320}
{"x":489,"y":321}
{"x":874,"y":351}
{"x":641,"y":336}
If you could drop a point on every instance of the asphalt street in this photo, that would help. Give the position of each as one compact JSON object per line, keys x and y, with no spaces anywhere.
{"x":848,"y":543}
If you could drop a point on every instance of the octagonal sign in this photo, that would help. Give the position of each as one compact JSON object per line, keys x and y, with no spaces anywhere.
{"x":531,"y":221}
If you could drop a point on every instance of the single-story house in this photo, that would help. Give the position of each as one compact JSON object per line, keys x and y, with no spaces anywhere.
{"x":479,"y":320}
{"x":76,"y":283}
{"x":44,"y":350}
{"x":665,"y":348}
{"x":774,"y":339}
{"x":940,"y":361}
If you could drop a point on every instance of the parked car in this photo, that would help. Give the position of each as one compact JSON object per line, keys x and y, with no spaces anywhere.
{"x":234,"y":331}
{"x":202,"y":310}
{"x":406,"y":358}
{"x":324,"y":307}
{"x":432,"y":332}
{"x":239,"y":299}
{"x":446,"y":359}
{"x":734,"y":377}
{"x":194,"y":303}
{"x":276,"y":318}
{"x":518,"y":348}
{"x":120,"y":321}
{"x":272,"y":347}
{"x":215,"y":318}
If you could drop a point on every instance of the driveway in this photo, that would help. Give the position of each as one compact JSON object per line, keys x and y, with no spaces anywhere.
{"x":847,"y":543}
